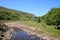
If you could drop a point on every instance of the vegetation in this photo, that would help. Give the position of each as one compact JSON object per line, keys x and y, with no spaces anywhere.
{"x":10,"y":14}
{"x":48,"y":22}
{"x":44,"y":28}
{"x":52,"y":17}
{"x":38,"y":19}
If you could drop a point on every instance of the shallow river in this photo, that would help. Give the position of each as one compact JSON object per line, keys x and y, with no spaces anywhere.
{"x":22,"y":35}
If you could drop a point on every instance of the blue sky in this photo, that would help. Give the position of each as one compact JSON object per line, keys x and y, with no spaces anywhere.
{"x":36,"y":7}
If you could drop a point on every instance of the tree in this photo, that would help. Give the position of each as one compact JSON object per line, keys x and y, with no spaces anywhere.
{"x":38,"y":19}
{"x":52,"y":17}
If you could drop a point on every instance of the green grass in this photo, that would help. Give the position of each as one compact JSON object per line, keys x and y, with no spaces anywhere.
{"x":45,"y":28}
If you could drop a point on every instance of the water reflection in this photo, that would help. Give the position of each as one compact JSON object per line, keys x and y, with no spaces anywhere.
{"x":22,"y":35}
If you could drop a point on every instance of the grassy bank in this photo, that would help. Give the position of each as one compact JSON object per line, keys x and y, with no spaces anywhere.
{"x":45,"y":28}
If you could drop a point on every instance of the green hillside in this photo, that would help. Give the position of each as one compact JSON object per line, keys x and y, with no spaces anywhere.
{"x":48,"y":22}
{"x":11,"y":14}
{"x":52,"y":17}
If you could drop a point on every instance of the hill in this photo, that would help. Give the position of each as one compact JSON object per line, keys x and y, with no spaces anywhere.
{"x":11,"y":14}
{"x":52,"y":17}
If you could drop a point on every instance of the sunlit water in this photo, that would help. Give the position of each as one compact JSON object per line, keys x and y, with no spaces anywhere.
{"x":22,"y":35}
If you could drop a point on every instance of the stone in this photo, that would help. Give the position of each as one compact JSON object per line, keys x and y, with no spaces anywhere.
{"x":58,"y":27}
{"x":1,"y":23}
{"x":2,"y":35}
{"x":0,"y":38}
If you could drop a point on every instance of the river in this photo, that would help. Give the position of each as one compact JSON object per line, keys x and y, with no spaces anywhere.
{"x":22,"y":35}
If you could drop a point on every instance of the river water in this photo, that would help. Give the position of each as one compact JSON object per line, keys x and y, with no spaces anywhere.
{"x":22,"y":35}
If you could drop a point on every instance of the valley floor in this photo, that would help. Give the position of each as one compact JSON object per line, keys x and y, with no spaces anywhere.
{"x":32,"y":30}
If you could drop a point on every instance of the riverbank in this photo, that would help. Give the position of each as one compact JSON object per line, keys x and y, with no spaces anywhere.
{"x":14,"y":32}
{"x":32,"y":30}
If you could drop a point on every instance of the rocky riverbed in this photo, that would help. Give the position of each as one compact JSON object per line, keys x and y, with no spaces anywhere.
{"x":17,"y":30}
{"x":14,"y":33}
{"x":18,"y":34}
{"x":32,"y":30}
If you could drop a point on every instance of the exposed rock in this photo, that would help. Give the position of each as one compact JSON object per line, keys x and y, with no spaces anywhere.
{"x":0,"y":38}
{"x":58,"y":27}
{"x":8,"y":34}
{"x":2,"y":35}
{"x":32,"y":30}
{"x":3,"y":29}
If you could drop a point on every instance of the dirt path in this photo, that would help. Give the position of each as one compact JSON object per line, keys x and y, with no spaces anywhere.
{"x":31,"y":30}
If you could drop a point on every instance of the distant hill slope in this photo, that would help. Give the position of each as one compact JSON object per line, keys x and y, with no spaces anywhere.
{"x":52,"y":17}
{"x":11,"y":14}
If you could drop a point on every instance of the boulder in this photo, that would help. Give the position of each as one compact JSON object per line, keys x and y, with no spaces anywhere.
{"x":1,"y":23}
{"x":3,"y":27}
{"x":58,"y":27}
